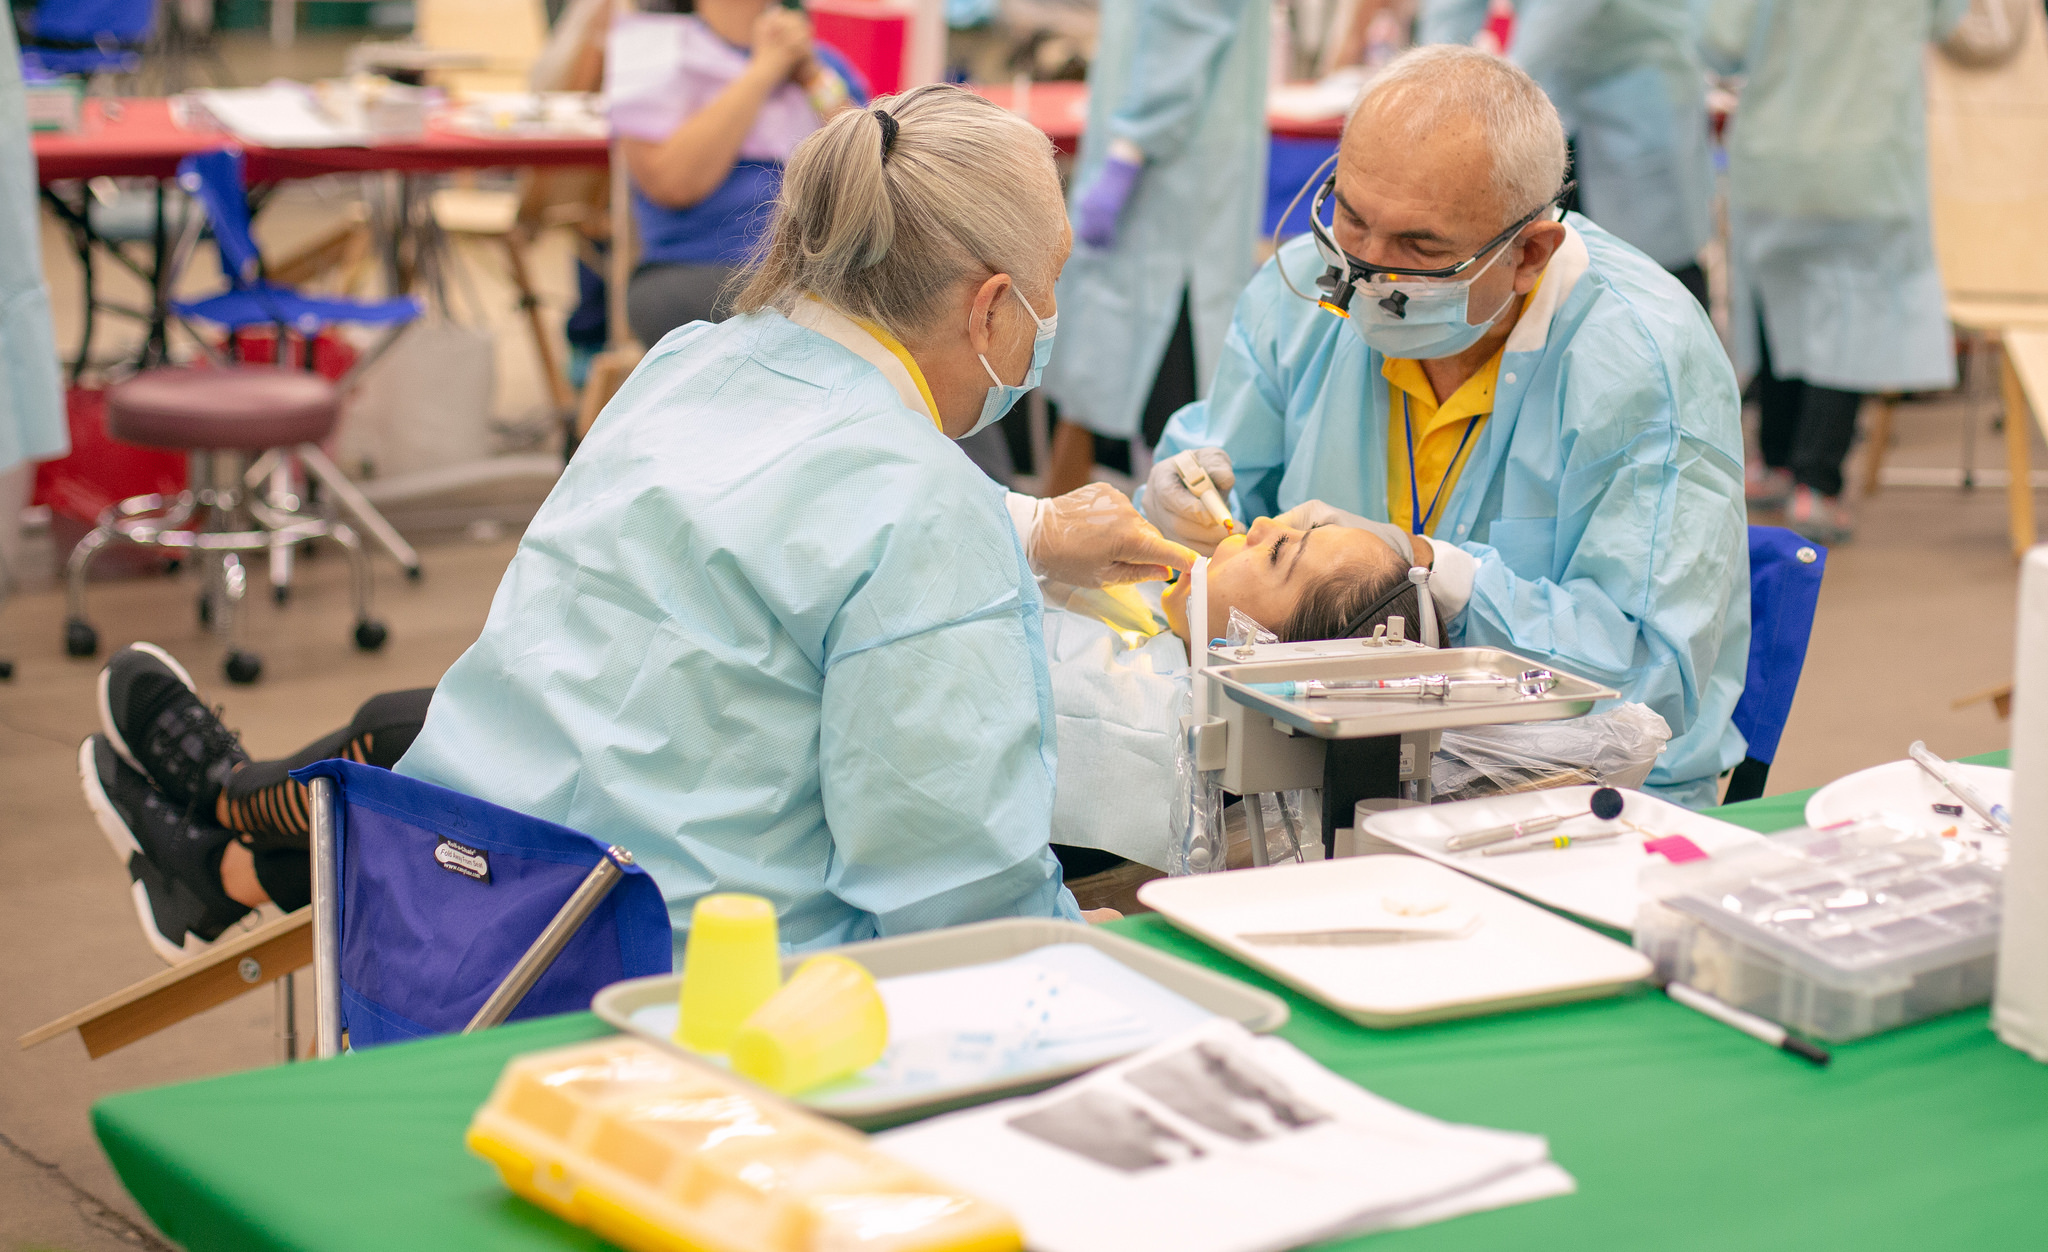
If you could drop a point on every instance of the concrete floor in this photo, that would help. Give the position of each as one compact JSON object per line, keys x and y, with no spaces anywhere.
{"x":1915,"y":613}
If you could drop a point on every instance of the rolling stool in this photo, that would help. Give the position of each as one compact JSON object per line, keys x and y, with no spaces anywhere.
{"x":222,"y":418}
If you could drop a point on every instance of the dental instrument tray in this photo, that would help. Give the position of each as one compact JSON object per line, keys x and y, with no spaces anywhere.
{"x":1838,"y":932}
{"x":1401,"y":691}
{"x":1391,"y":941}
{"x":987,"y":1010}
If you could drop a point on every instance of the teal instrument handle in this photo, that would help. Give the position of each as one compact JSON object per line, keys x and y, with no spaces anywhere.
{"x":1285,"y":691}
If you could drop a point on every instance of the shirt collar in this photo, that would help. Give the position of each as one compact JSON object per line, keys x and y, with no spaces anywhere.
{"x":1567,"y":265}
{"x":875,"y":345}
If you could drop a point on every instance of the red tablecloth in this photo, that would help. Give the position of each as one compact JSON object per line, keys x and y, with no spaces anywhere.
{"x":1061,"y":111}
{"x":137,"y":136}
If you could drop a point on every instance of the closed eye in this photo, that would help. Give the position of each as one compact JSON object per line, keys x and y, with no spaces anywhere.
{"x":1273,"y":557}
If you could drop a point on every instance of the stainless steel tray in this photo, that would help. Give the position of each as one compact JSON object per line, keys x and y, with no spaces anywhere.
{"x":1335,"y":718}
{"x":977,"y":944}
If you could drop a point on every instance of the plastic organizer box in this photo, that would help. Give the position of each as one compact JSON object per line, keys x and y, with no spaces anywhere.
{"x":660,"y":1153}
{"x":1838,"y":933}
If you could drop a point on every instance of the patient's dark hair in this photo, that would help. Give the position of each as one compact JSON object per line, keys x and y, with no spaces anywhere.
{"x":1348,"y":603}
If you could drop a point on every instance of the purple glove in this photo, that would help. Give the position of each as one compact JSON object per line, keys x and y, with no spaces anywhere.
{"x":1101,"y":202}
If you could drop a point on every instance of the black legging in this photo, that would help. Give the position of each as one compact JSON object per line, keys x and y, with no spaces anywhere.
{"x":268,"y":809}
{"x":1805,"y":428}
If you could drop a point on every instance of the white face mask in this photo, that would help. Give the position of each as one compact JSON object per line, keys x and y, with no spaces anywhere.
{"x":1002,"y":396}
{"x":1423,"y":321}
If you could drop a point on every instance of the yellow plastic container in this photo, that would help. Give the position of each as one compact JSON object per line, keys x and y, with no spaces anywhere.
{"x":658,"y":1153}
{"x":828,"y":1022}
{"x":731,"y":967}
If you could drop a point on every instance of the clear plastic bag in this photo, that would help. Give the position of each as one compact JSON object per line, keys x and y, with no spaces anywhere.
{"x":1195,"y":835}
{"x":1280,"y":818}
{"x":1617,"y":748}
{"x":1245,"y":629}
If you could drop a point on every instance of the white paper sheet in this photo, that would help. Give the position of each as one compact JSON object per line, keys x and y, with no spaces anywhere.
{"x":1217,"y":1141}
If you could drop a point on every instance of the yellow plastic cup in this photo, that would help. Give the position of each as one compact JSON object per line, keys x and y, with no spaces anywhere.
{"x":827,"y":1023}
{"x":731,"y":967}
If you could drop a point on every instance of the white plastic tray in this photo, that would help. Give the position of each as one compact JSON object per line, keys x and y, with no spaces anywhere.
{"x":628,"y":1005}
{"x":1901,"y":793}
{"x":1519,"y":955}
{"x":1596,"y":881}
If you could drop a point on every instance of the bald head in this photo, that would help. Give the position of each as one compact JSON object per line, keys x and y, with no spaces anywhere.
{"x":1482,"y":127}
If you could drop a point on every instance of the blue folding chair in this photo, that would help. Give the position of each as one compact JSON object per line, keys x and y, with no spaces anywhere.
{"x":1784,"y":587}
{"x":87,"y":37}
{"x":215,"y":180}
{"x":434,"y":912}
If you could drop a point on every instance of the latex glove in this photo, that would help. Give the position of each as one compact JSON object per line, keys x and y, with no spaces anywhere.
{"x":1093,"y":537}
{"x":1177,"y":511}
{"x":1101,"y":202}
{"x":1316,"y":513}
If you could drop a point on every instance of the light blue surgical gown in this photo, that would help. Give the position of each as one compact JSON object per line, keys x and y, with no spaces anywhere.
{"x":1602,"y":503}
{"x":1830,"y":232}
{"x":772,"y":632}
{"x":1627,"y":79}
{"x":1184,"y":80}
{"x":31,"y":393}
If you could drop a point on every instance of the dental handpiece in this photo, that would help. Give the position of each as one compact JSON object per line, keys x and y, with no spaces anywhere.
{"x":1203,"y":488}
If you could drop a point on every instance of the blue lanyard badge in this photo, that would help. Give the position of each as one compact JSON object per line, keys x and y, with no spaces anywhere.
{"x":1419,"y":524}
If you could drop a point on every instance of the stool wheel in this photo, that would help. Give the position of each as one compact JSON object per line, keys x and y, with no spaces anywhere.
{"x":243,"y":667}
{"x":80,"y":639}
{"x":370,"y":635}
{"x":281,"y":594}
{"x":205,"y":611}
{"x":414,"y":573}
{"x":6,"y":670}
{"x":172,"y":566}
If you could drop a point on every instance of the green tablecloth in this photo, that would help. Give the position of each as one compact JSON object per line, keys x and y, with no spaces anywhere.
{"x":1681,"y":1132}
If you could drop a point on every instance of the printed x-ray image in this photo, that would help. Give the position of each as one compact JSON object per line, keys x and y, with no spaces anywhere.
{"x":1109,"y":1131}
{"x":1216,"y":1087}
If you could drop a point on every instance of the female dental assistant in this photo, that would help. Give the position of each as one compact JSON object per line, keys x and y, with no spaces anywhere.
{"x":772,"y":631}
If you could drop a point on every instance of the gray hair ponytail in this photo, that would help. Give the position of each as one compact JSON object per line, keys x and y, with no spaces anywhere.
{"x":881,"y":219}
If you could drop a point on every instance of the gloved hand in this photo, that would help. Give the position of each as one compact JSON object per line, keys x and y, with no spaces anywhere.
{"x":1101,"y":202}
{"x":1316,"y":513}
{"x":1094,"y":538}
{"x":1179,"y":512}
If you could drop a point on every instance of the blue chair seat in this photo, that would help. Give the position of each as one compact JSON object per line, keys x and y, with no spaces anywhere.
{"x":264,"y":303}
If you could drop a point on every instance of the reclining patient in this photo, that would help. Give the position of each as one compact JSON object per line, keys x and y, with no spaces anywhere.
{"x":1120,"y":666}
{"x":207,"y":834}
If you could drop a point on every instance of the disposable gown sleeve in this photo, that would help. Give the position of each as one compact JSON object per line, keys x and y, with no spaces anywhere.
{"x":1245,"y":412}
{"x":936,"y":763}
{"x":1647,"y":556}
{"x":1180,"y":49}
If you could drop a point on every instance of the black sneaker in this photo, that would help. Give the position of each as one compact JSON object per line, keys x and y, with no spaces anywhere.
{"x":173,"y":864}
{"x":151,"y":714}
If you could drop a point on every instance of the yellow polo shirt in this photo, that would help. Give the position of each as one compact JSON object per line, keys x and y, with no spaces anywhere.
{"x":1439,"y":431}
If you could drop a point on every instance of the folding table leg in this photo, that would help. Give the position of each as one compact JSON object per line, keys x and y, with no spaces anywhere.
{"x":2019,"y":425}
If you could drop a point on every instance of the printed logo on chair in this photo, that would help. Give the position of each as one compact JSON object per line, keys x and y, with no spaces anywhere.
{"x":464,"y":860}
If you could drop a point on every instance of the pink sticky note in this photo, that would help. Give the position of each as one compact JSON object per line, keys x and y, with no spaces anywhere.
{"x":1676,"y":849}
